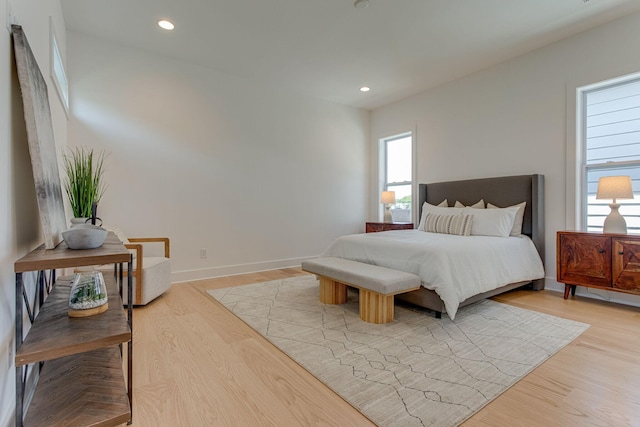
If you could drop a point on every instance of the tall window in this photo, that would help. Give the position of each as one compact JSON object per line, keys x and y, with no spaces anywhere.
{"x":397,"y":173}
{"x":610,"y":124}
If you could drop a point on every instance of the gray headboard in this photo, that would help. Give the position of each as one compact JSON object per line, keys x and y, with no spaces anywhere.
{"x":501,"y":191}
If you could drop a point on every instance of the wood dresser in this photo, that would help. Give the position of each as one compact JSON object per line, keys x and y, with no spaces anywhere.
{"x":596,"y":260}
{"x":81,"y":380}
{"x":374,"y":227}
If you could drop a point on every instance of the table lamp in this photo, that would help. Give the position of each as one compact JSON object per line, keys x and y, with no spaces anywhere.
{"x":387,"y":198}
{"x":614,"y":187}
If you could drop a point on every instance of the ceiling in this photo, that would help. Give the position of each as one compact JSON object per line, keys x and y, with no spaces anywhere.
{"x":328,"y":48}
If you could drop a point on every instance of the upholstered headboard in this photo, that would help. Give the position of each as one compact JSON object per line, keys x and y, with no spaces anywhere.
{"x":501,"y":191}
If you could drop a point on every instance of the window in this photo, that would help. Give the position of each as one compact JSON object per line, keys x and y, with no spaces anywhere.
{"x":397,"y":173}
{"x":58,"y":73}
{"x":610,"y":129}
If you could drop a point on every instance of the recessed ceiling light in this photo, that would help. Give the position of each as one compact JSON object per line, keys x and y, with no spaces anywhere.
{"x":365,"y":89}
{"x":167,"y":25}
{"x":361,"y":4}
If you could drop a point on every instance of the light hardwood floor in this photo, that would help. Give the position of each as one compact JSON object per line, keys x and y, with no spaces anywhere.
{"x":196,"y":364}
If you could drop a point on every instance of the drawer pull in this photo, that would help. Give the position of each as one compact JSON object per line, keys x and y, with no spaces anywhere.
{"x":601,"y":251}
{"x":621,"y":253}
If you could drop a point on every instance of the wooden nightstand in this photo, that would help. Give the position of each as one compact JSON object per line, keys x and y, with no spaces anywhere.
{"x":374,"y":227}
{"x":597,"y":260}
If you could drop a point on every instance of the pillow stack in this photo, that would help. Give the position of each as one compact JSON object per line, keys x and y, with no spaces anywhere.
{"x":472,"y":220}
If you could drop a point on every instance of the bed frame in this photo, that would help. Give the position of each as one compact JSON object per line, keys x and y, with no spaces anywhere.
{"x":502,"y":191}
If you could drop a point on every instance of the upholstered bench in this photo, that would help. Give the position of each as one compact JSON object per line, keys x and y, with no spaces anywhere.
{"x":377,"y":285}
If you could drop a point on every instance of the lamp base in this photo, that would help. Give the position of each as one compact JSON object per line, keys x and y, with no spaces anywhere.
{"x":387,"y":214}
{"x":615,"y":223}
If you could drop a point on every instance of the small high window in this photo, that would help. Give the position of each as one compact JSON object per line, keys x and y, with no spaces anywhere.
{"x":58,"y":73}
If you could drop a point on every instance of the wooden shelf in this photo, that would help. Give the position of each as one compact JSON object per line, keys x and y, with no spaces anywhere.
{"x":54,"y":334}
{"x":111,"y":252}
{"x":81,"y":381}
{"x":86,"y":389}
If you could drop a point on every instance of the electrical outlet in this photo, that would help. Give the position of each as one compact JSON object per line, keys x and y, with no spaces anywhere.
{"x":203,"y":253}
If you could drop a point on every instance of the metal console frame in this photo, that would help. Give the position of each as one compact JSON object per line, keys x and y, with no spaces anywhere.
{"x":42,"y":290}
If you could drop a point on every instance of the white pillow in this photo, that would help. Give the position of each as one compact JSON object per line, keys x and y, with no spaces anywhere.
{"x":119,"y":234}
{"x":438,"y":210}
{"x":477,"y":205}
{"x":516,"y":230}
{"x":444,"y":204}
{"x":491,"y":222}
{"x":122,"y":237}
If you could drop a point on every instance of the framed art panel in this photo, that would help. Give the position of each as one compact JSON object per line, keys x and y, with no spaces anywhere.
{"x":42,"y":148}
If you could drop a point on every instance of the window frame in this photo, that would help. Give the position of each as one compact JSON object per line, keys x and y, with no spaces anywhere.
{"x":582,"y":168}
{"x":383,"y":185}
{"x":57,"y":69}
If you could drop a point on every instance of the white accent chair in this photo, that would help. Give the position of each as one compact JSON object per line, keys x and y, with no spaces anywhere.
{"x":153,"y":272}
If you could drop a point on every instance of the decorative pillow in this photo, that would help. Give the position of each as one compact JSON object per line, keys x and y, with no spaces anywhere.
{"x":516,"y":230}
{"x":477,"y":205}
{"x":444,"y":204}
{"x":459,"y":225}
{"x":491,"y":222}
{"x":121,"y":236}
{"x":439,"y":210}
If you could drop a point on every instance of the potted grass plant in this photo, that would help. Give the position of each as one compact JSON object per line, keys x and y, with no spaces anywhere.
{"x":84,"y":183}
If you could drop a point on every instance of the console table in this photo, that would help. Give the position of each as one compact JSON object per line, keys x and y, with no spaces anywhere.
{"x":598,"y":260}
{"x":81,"y":379}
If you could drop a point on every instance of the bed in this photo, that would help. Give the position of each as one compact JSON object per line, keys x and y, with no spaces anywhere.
{"x":502,"y":192}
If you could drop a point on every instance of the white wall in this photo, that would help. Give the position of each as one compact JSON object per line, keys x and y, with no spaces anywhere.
{"x":512,"y":118}
{"x":258,"y":176}
{"x":19,"y":220}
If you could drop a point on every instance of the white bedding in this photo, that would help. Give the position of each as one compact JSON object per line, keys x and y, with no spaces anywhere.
{"x":455,"y":267}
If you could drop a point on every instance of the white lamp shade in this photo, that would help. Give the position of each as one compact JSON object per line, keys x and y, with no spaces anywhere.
{"x":614,"y":187}
{"x":388,"y":197}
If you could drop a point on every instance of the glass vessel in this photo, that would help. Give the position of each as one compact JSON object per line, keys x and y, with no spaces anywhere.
{"x":88,"y":294}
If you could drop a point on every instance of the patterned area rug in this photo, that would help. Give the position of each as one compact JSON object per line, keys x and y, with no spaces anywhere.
{"x":415,"y":371}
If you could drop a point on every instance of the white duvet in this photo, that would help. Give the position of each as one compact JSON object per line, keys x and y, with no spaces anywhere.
{"x":455,"y":267}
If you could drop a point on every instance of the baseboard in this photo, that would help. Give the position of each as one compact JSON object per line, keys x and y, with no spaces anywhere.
{"x":232,"y":270}
{"x":602,"y":295}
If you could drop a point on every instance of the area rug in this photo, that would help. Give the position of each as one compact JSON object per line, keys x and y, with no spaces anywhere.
{"x":415,"y":371}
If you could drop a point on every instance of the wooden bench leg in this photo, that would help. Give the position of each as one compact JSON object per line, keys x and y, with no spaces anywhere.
{"x":332,"y":292}
{"x":375,"y":307}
